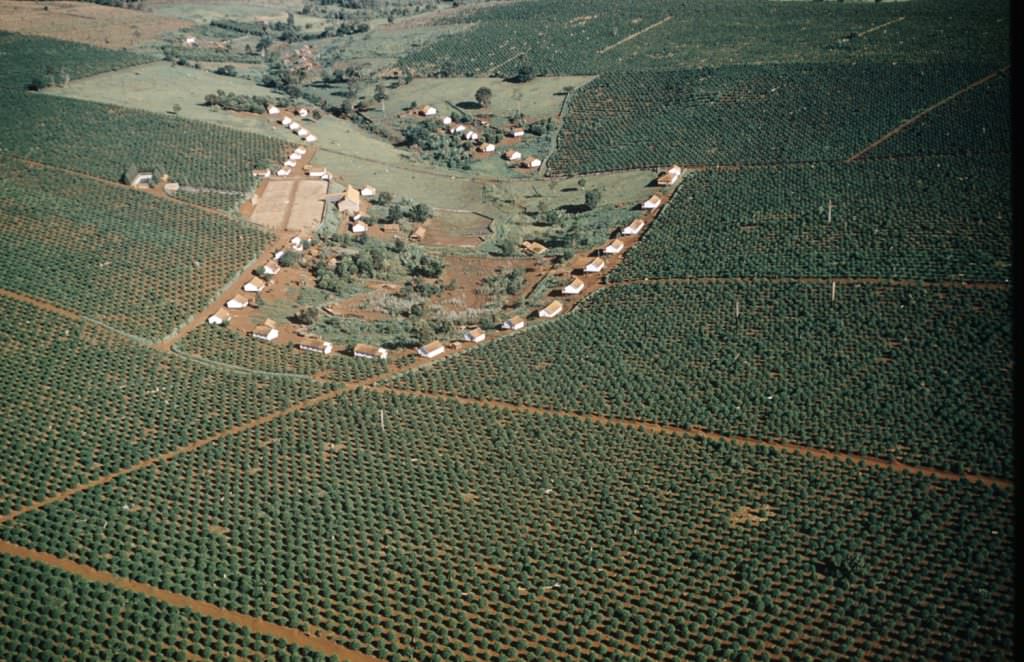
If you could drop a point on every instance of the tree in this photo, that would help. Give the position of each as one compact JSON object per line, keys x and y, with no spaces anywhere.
{"x":592,"y":198}
{"x":379,"y":94}
{"x":306,"y":316}
{"x":524,"y":74}
{"x":483,"y":97}
{"x":420,"y":212}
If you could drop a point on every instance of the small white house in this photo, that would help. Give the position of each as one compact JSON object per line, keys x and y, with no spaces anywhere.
{"x":311,"y":138}
{"x":487,"y":148}
{"x":317,"y":171}
{"x":532,"y":162}
{"x":286,"y":122}
{"x":300,"y":150}
{"x":261,"y":172}
{"x":634,"y":228}
{"x":427,"y":111}
{"x":471,"y":135}
{"x":575,"y":287}
{"x":614,"y":248}
{"x":295,"y":156}
{"x":256,"y":284}
{"x":458,"y":128}
{"x":316,"y":345}
{"x":271,"y":268}
{"x":511,"y":155}
{"x":266,"y":331}
{"x":303,"y":112}
{"x":594,"y":266}
{"x":222,"y":316}
{"x":289,"y":164}
{"x":237,"y":303}
{"x":302,"y":132}
{"x":652,"y":202}
{"x":513,"y":323}
{"x":367,"y":191}
{"x":474,"y":335}
{"x":296,"y":243}
{"x":517,"y":132}
{"x":142,"y":178}
{"x":284,"y":172}
{"x":670,"y":176}
{"x":359,"y":227}
{"x":364,"y":351}
{"x":172,"y":187}
{"x":446,"y":120}
{"x":431,"y":349}
{"x":550,"y":310}
{"x":273,"y":110}
{"x":190,"y":41}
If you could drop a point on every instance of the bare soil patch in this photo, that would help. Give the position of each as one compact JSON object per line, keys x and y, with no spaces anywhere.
{"x":468,"y":272}
{"x":308,"y":206}
{"x":454,"y":228}
{"x":86,"y":23}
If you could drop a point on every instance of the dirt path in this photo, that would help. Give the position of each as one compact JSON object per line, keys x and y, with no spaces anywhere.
{"x":251,"y":623}
{"x":883,"y":25}
{"x":778,"y":444}
{"x":633,"y":36}
{"x":171,"y":454}
{"x":913,"y":120}
{"x":40,"y":304}
{"x":827,"y":282}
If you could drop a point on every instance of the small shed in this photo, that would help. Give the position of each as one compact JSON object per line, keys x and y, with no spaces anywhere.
{"x":594,"y":266}
{"x":427,"y":111}
{"x":516,"y":132}
{"x":271,"y":268}
{"x":513,"y":323}
{"x":284,"y":172}
{"x":614,"y":248}
{"x":431,"y":349}
{"x":261,"y":172}
{"x":222,"y":316}
{"x":471,"y":135}
{"x":273,"y":110}
{"x":534,"y":248}
{"x":550,"y":310}
{"x":635,"y":227}
{"x":486,"y":147}
{"x":364,"y":351}
{"x":446,"y":120}
{"x":367,"y":191}
{"x":574,"y":287}
{"x":359,"y":227}
{"x":652,"y":202}
{"x":418,"y":233}
{"x":256,"y":284}
{"x":316,"y":345}
{"x":303,"y":112}
{"x":511,"y":155}
{"x":237,"y":303}
{"x":670,"y":176}
{"x":531,"y":162}
{"x":474,"y":335}
{"x":311,"y":138}
{"x":267,"y":331}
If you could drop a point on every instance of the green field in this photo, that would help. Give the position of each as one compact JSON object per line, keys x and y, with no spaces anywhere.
{"x":104,"y":141}
{"x":469,"y":532}
{"x":920,"y":374}
{"x":50,"y":614}
{"x":125,"y":258}
{"x":29,"y":60}
{"x":600,"y":36}
{"x":943,"y":218}
{"x":78,"y":402}
{"x":745,"y":114}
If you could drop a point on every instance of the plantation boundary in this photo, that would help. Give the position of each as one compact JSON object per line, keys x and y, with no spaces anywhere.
{"x":941,"y":102}
{"x":258,"y":625}
{"x":696,"y":431}
{"x":633,"y":36}
{"x":813,"y":280}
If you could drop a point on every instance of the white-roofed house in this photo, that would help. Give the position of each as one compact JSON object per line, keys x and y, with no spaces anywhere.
{"x":427,"y":111}
{"x":550,"y":310}
{"x":652,"y":202}
{"x":367,"y":191}
{"x":474,"y":335}
{"x":574,"y":287}
{"x":431,"y":349}
{"x":614,"y":247}
{"x":237,"y":303}
{"x":271,"y":268}
{"x":273,"y":110}
{"x":516,"y":132}
{"x":635,"y":227}
{"x":594,"y":266}
{"x":486,"y":147}
{"x":267,"y":331}
{"x":222,"y":316}
{"x":316,"y":345}
{"x":365,"y":351}
{"x":512,"y":155}
{"x":513,"y":323}
{"x":256,"y":284}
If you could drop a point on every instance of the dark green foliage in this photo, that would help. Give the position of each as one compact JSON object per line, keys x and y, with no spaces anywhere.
{"x":42,"y":62}
{"x":922,"y":374}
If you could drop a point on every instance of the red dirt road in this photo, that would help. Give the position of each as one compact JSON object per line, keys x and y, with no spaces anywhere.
{"x":258,"y":625}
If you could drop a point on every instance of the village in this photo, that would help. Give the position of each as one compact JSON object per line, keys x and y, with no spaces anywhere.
{"x":294,"y":199}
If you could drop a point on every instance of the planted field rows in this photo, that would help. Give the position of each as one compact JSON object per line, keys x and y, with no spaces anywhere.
{"x":606,"y":35}
{"x":29,"y":60}
{"x":935,"y":219}
{"x":103,"y":141}
{"x":78,"y":402}
{"x":745,"y":114}
{"x":469,"y":532}
{"x":977,"y":122}
{"x":921,"y":375}
{"x":123,"y":257}
{"x":231,"y":347}
{"x":51,"y":614}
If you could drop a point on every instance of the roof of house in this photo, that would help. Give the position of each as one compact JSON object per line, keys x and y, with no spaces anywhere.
{"x":597,"y":262}
{"x":256,"y":281}
{"x":315,"y":343}
{"x":576,"y":284}
{"x":655,"y":199}
{"x":418,"y":233}
{"x":223,"y":313}
{"x":534,"y":247}
{"x":552,"y":308}
{"x":511,"y":154}
{"x":432,"y":346}
{"x":475,"y":333}
{"x":636,"y":225}
{"x":363,"y":348}
{"x":515,"y":321}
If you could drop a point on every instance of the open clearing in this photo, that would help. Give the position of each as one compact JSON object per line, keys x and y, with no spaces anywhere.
{"x":86,"y":23}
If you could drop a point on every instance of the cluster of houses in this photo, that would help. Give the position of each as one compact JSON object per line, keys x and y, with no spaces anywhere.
{"x":469,"y":134}
{"x":294,"y":123}
{"x":576,"y":285}
{"x":352,"y":205}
